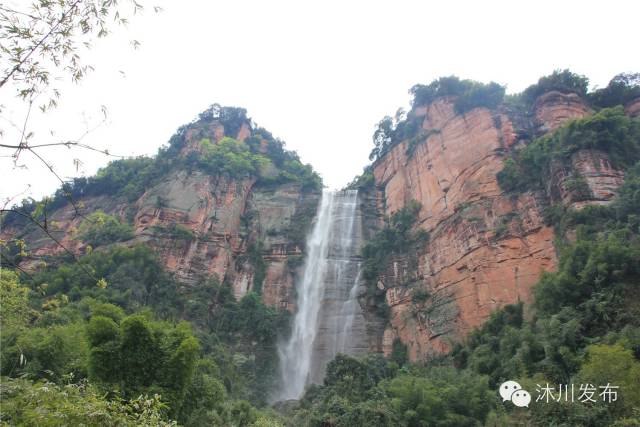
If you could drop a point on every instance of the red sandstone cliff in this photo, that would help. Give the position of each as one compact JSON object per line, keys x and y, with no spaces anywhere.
{"x":486,"y":248}
{"x":225,"y":215}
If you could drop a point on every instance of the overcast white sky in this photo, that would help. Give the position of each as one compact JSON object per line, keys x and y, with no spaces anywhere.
{"x":319,"y":74}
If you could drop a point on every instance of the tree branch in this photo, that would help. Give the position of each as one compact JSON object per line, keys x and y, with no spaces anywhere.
{"x":39,"y":43}
{"x":46,"y":231}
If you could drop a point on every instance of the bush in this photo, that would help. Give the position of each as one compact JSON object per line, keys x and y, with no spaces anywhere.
{"x":231,"y":157}
{"x":621,"y":90}
{"x":48,"y":404}
{"x":101,"y":229}
{"x":141,"y":356}
{"x":560,"y":80}
{"x":134,"y":279}
{"x":612,"y":364}
{"x":129,"y":178}
{"x":445,"y":397}
{"x":15,"y":313}
{"x":469,"y":94}
{"x":45,"y":352}
{"x":609,"y":130}
{"x":364,"y":182}
{"x":395,"y":238}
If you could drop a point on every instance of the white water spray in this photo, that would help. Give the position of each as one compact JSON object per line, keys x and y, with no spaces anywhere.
{"x":329,"y":319}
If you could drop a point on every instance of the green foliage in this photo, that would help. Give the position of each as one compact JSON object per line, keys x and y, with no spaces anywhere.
{"x":444,"y":397}
{"x":177,"y":232}
{"x":254,"y":253}
{"x":133,"y":275}
{"x":45,"y":352}
{"x":349,"y":395}
{"x":372,"y":391}
{"x":592,"y":265}
{"x":609,"y":130}
{"x":613,"y":364}
{"x":205,"y":396}
{"x":142,"y":356}
{"x":364,"y":182}
{"x":391,"y":131}
{"x":101,"y":229}
{"x":231,"y":157}
{"x":560,"y":80}
{"x":470,"y":94}
{"x":502,"y":225}
{"x":127,"y":178}
{"x":242,"y":338}
{"x":232,"y":118}
{"x":48,"y":404}
{"x":479,"y":95}
{"x":399,"y":353}
{"x":15,"y":313}
{"x":621,"y":90}
{"x":395,"y":239}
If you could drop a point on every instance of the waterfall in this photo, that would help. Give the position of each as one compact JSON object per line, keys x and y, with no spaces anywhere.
{"x":329,"y":319}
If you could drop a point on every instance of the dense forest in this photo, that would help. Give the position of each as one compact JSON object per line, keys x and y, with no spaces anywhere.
{"x":111,"y":337}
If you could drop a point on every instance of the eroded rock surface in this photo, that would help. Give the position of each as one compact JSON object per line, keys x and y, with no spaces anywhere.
{"x":486,"y":248}
{"x":224,"y":216}
{"x":554,"y":108}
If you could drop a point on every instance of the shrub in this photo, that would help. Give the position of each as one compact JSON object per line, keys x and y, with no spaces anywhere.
{"x":101,"y":229}
{"x":561,"y":80}
{"x":622,"y":89}
{"x":609,"y":130}
{"x":48,"y":404}
{"x":469,"y":94}
{"x":134,"y":279}
{"x":364,"y":182}
{"x":396,"y":238}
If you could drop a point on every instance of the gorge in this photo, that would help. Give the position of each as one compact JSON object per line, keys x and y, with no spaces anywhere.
{"x":491,"y":237}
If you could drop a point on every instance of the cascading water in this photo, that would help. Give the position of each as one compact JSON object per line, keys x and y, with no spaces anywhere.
{"x":329,"y":319}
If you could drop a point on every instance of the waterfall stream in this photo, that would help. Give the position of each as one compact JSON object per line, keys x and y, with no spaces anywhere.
{"x":329,"y":319}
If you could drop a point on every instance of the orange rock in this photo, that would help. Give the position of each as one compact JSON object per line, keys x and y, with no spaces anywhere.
{"x":466,"y":268}
{"x":633,"y":108}
{"x":554,"y":108}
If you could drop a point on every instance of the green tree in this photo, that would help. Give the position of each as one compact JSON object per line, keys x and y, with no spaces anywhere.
{"x":140,"y":353}
{"x":48,"y":404}
{"x":100,"y":229}
{"x":15,"y":313}
{"x":614,"y":365}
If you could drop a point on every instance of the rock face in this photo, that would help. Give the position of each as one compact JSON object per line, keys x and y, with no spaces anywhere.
{"x":589,"y":179}
{"x":485,"y":250}
{"x":633,"y":108}
{"x":554,"y":108}
{"x":226,"y":218}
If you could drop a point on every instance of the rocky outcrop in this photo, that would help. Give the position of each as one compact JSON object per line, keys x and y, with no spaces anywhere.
{"x":588,"y":179}
{"x":486,"y":249}
{"x":633,"y":108}
{"x":222,"y":219}
{"x":554,"y":108}
{"x":210,"y":207}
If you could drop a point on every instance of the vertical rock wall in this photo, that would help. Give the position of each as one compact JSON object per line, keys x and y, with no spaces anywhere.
{"x":486,"y":248}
